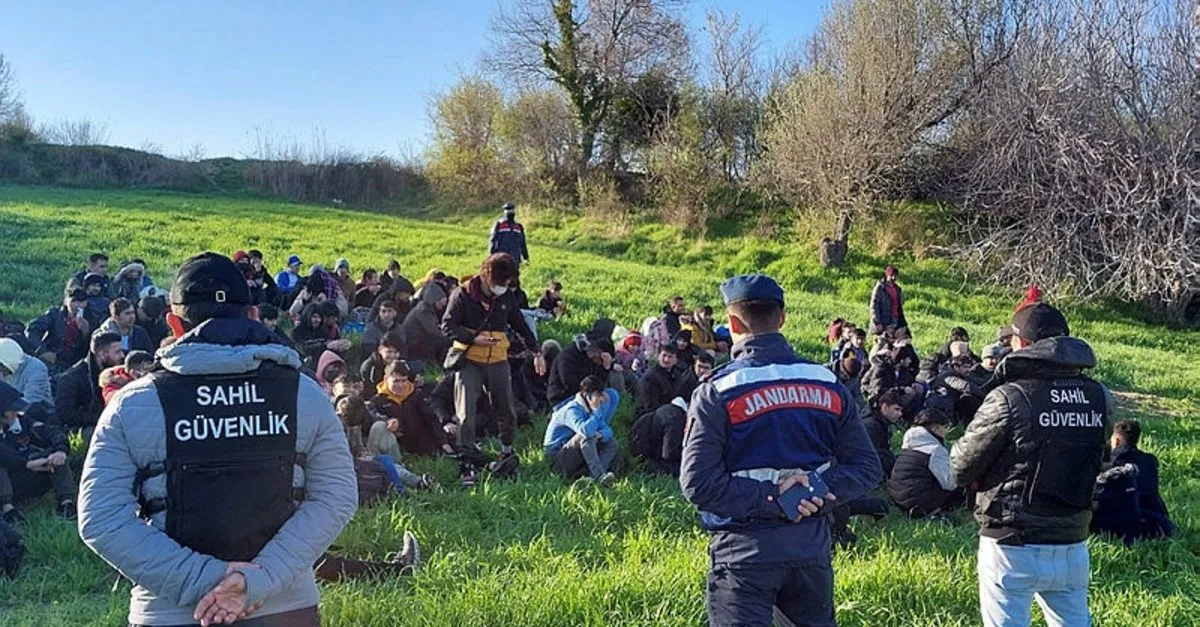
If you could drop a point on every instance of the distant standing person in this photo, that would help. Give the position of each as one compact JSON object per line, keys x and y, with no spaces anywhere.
{"x":887,"y":303}
{"x":1032,"y":455}
{"x":508,"y":236}
{"x":756,"y":427}
{"x":240,"y":472}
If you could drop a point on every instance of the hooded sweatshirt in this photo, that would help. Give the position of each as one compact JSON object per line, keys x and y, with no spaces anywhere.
{"x":170,"y":579}
{"x":421,"y":331}
{"x":28,"y":375}
{"x":328,"y":358}
{"x":125,"y":286}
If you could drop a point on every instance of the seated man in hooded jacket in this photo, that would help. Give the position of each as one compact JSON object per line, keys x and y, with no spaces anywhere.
{"x":591,"y":354}
{"x":1128,"y":503}
{"x":921,"y":483}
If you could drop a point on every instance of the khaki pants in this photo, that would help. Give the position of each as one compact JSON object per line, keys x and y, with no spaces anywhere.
{"x":471,"y":381}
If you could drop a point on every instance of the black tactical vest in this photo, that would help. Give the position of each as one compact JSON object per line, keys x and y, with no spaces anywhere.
{"x":1068,"y":418}
{"x":231,"y":452}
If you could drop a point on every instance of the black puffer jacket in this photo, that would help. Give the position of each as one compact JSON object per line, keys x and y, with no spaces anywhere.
{"x":659,"y":387}
{"x":77,"y":399}
{"x":569,"y":370}
{"x":1035,"y":447}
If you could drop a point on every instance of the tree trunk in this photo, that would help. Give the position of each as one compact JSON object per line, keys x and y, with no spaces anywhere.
{"x":832,"y":252}
{"x":842,"y":232}
{"x":587,"y":145}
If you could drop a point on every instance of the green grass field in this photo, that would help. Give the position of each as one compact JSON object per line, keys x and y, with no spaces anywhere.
{"x":538,"y":552}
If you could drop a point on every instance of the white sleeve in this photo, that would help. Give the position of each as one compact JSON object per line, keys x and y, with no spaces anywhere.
{"x":939,"y":465}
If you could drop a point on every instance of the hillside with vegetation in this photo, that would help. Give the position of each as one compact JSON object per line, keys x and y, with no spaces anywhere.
{"x":1057,"y":140}
{"x":543,"y":552}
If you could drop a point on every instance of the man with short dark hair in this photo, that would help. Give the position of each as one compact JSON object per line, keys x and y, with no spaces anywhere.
{"x":123,"y":322}
{"x":662,"y":383}
{"x":887,"y":412}
{"x":1129,"y":504}
{"x":386,"y":323}
{"x":219,"y":522}
{"x":551,"y":301}
{"x":674,"y":308}
{"x":389,"y":350}
{"x":98,"y":265}
{"x":61,"y":334}
{"x":757,"y":427}
{"x":579,"y":439}
{"x":262,"y":287}
{"x":393,"y":278}
{"x":366,"y":290}
{"x":33,"y":457}
{"x":1032,"y":455}
{"x":78,"y":398}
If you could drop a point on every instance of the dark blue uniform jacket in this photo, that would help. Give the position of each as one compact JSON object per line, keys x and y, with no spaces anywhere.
{"x":767,"y":411}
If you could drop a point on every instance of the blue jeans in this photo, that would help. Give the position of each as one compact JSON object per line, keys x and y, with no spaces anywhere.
{"x":400,"y":476}
{"x":1010,"y":577}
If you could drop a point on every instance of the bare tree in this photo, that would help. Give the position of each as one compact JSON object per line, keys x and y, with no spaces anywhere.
{"x":77,"y":132}
{"x":735,"y":79}
{"x":1082,"y":174}
{"x":880,"y":83}
{"x":10,"y":101}
{"x":588,"y":48}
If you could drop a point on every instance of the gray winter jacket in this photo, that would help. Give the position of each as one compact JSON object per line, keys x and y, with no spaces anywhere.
{"x":169,"y":578}
{"x":29,"y":375}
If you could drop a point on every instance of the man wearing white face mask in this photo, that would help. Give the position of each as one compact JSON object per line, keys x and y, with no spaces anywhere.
{"x":477,"y":318}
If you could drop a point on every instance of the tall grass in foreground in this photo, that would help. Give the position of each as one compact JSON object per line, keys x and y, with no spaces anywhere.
{"x":538,"y":552}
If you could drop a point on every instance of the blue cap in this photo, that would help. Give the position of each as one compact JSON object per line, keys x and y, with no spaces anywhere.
{"x":751,"y":287}
{"x":293,"y":260}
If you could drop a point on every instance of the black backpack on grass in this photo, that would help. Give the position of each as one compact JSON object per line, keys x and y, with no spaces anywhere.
{"x":12,"y":550}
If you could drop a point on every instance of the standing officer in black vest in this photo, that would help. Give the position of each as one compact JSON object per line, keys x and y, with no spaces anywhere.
{"x":234,"y":458}
{"x":1032,"y":454}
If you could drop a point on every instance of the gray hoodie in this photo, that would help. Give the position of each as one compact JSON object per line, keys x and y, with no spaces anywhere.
{"x":921,"y":440}
{"x":28,"y":374}
{"x":171,"y":579}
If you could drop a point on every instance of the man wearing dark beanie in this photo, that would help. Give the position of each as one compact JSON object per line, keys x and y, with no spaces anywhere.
{"x":1032,"y":455}
{"x":240,"y":471}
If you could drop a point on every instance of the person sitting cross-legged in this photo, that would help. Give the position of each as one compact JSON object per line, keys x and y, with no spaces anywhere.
{"x":579,"y":439}
{"x":33,"y":457}
{"x":1128,"y":503}
{"x":657,"y":438}
{"x":921,"y":483}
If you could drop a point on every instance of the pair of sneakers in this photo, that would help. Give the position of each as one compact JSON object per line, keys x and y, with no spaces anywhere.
{"x":505,"y":467}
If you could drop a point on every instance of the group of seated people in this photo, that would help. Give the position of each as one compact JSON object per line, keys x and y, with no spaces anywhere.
{"x":61,"y":371}
{"x":896,"y":389}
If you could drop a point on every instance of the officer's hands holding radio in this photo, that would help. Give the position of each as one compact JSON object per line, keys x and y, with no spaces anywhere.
{"x":803,"y":495}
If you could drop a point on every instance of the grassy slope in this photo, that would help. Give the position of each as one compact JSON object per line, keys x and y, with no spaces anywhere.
{"x":541,"y":553}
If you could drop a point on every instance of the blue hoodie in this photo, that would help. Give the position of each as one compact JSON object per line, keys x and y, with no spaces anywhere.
{"x":574,"y":418}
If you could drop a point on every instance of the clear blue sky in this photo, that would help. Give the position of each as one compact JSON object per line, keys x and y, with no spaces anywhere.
{"x":358,"y":72}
